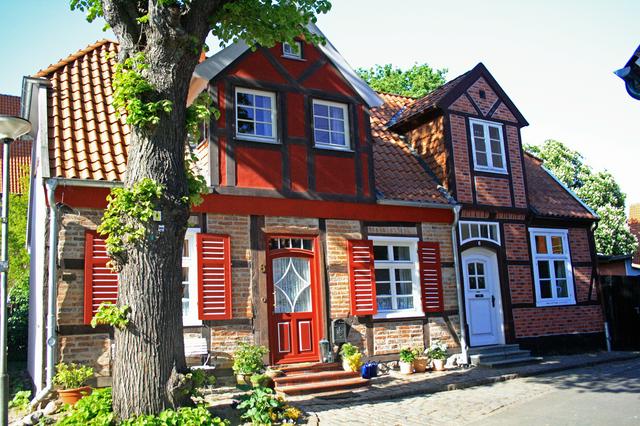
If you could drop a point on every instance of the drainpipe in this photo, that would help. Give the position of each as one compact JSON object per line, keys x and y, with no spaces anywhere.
{"x":52,"y":290}
{"x":461,"y":312}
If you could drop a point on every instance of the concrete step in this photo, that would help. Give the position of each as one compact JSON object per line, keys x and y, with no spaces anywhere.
{"x":497,"y":356}
{"x":324,"y":386}
{"x":321,"y":376}
{"x":511,"y":361}
{"x":493,"y":349}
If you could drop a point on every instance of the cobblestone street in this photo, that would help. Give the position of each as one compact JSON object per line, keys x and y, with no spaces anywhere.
{"x":613,"y":389}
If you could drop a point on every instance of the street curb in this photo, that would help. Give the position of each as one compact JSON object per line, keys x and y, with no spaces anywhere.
{"x":468,"y":384}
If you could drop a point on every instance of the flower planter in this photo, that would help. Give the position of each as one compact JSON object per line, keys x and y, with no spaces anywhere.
{"x":71,"y":396}
{"x":243,"y":379}
{"x":420,"y":364}
{"x":406,"y":367}
{"x":438,"y":364}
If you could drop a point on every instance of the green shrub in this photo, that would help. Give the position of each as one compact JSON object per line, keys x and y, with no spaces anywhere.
{"x":72,"y":376}
{"x":408,"y":355}
{"x":348,"y":350}
{"x":92,"y":410}
{"x":184,"y":416}
{"x":20,"y":400}
{"x":437,"y":350}
{"x":248,"y":359}
{"x":262,"y":407}
{"x":18,"y":320}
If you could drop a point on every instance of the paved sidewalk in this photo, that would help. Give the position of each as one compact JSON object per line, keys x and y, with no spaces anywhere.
{"x":394,"y":385}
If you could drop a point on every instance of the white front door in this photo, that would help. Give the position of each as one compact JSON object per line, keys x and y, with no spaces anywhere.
{"x":482,"y":294}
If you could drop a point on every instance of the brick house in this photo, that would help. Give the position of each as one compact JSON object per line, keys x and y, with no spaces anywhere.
{"x":526,"y":244}
{"x":328,"y":202}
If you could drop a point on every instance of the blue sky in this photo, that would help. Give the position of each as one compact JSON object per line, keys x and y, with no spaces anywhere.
{"x":554,"y":58}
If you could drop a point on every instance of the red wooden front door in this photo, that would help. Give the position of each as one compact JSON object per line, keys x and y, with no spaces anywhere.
{"x":293,"y":299}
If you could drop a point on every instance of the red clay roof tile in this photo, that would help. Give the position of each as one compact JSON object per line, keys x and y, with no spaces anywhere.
{"x":20,"y":150}
{"x":547,"y":197}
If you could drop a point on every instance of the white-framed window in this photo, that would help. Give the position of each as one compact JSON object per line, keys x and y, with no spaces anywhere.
{"x":484,"y":231}
{"x":488,"y":146}
{"x":256,"y":115}
{"x":552,"y":271}
{"x":190,"y":279}
{"x":292,"y":50}
{"x":397,"y":276}
{"x":331,"y":124}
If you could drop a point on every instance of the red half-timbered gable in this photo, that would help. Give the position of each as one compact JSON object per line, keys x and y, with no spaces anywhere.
{"x":296,"y":161}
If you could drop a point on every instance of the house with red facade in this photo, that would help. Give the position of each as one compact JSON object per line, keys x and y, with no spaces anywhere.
{"x":334,"y":213}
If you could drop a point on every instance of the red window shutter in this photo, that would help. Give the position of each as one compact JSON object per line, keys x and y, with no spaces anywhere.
{"x":214,"y":276}
{"x":430,"y":277}
{"x":362,"y":278}
{"x":100,"y":282}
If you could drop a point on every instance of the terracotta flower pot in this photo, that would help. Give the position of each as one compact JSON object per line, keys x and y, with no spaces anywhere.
{"x":406,"y":367}
{"x":71,"y":396}
{"x":438,"y":364}
{"x":420,"y":364}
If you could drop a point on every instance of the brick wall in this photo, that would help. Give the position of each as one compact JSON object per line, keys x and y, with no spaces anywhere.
{"x":439,"y":332}
{"x":516,"y":242}
{"x":503,"y":113}
{"x":225,"y":339}
{"x":428,"y":141}
{"x":490,"y":98}
{"x":89,"y":349}
{"x":463,"y":104}
{"x":493,"y":191}
{"x":461,"y":158}
{"x":582,"y":278}
{"x":407,"y":231}
{"x":579,"y":245}
{"x":390,"y":337}
{"x":534,"y":322}
{"x":521,"y":284}
{"x":634,"y":225}
{"x":517,"y":174}
{"x":338,"y":232}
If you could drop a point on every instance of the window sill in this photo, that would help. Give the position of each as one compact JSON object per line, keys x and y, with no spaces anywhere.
{"x":549,"y":304}
{"x":295,"y":58}
{"x":490,"y":170}
{"x":191,"y":323}
{"x":256,"y":139}
{"x":333,"y":148}
{"x":399,"y":315}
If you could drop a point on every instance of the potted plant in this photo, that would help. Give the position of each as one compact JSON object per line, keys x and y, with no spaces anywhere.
{"x":421,"y":362}
{"x":438,"y":354}
{"x":247,"y":360}
{"x":351,"y":357}
{"x":407,"y":356}
{"x":72,"y":379}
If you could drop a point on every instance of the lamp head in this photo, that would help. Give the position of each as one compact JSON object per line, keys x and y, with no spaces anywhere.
{"x":13,"y":127}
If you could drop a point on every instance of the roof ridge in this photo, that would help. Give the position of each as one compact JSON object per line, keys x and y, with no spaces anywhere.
{"x":396,"y":94}
{"x":73,"y":57}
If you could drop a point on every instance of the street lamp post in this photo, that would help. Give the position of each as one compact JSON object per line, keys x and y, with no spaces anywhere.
{"x":11,"y":128}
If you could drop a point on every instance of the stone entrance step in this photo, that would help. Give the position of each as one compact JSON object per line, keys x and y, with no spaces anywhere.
{"x":500,"y":356}
{"x":323,"y":386}
{"x":316,"y":378}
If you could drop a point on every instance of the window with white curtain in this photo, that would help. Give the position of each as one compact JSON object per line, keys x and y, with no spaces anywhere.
{"x":488,"y":146}
{"x":552,"y":270}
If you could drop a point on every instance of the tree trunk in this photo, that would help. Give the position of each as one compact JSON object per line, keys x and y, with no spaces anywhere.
{"x":149,"y":353}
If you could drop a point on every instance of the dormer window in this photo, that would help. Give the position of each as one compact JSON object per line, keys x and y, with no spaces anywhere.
{"x":331,"y":125}
{"x":255,"y":115}
{"x":292,"y":50}
{"x":488,"y":146}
